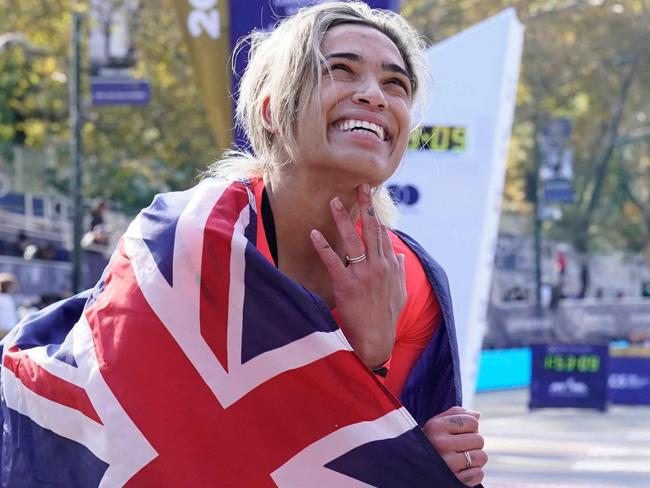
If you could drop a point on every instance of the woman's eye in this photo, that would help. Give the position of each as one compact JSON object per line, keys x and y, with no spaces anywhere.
{"x":399,"y":83}
{"x":343,"y":67}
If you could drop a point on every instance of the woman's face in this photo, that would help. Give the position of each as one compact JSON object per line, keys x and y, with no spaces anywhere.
{"x":363,"y":127}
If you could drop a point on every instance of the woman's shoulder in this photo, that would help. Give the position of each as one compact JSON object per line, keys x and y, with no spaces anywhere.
{"x":418,"y":284}
{"x":413,"y":250}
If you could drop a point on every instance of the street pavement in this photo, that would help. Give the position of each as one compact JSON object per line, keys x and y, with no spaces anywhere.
{"x":563,"y":448}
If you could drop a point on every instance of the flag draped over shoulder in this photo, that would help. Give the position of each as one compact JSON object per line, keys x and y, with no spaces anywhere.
{"x":195,"y":362}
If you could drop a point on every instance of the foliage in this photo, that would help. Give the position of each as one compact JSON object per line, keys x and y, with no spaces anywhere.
{"x":131,"y":153}
{"x":589,"y":61}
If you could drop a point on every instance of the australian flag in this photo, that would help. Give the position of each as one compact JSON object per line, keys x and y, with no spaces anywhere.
{"x":195,"y":362}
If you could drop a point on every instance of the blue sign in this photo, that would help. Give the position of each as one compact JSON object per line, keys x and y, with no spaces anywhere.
{"x":558,"y":191}
{"x":566,"y":375}
{"x":119,"y":91}
{"x":629,"y":380}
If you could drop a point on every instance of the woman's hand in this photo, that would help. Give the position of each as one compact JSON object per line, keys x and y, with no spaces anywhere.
{"x":371,"y":292}
{"x":454,"y":433}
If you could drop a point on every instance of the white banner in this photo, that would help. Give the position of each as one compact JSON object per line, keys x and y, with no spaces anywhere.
{"x":451,"y":188}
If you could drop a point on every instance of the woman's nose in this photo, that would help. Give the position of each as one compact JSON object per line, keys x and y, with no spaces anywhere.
{"x":369,"y":92}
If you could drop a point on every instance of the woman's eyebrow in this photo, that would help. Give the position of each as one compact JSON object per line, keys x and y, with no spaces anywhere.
{"x":392,"y":67}
{"x":395,"y":68}
{"x":350,"y":56}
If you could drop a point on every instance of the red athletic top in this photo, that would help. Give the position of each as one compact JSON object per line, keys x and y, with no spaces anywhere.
{"x":417,"y":321}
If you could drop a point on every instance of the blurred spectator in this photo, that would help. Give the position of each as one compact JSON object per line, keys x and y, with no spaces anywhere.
{"x":31,"y":252}
{"x":97,"y":215}
{"x":556,"y":296}
{"x":22,"y":244}
{"x":8,"y":312}
{"x":97,"y":232}
{"x":645,"y":289}
{"x":560,"y":262}
{"x":546,"y":294}
{"x":46,"y":252}
{"x":95,"y":243}
{"x":516,"y":293}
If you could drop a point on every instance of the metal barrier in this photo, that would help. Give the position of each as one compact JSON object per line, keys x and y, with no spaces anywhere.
{"x":573,"y":321}
{"x":37,"y":277}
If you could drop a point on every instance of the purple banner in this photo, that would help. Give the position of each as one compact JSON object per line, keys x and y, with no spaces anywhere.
{"x":629,"y":380}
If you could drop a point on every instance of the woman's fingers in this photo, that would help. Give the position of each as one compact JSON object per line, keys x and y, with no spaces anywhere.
{"x":352,"y":244}
{"x":457,"y":463}
{"x":471,"y":477}
{"x":372,"y":229}
{"x":329,"y":258}
{"x":478,"y":456}
{"x":368,"y":295}
{"x":402,"y":273}
{"x":386,"y":243}
{"x":454,"y":433}
{"x":457,"y":423}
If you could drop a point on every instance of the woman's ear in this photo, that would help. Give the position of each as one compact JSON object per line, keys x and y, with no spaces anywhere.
{"x":267,"y":121}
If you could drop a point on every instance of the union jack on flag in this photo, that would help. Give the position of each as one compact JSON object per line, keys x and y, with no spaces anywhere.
{"x":195,"y":362}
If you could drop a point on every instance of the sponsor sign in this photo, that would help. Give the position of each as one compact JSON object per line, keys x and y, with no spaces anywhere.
{"x":568,"y":375}
{"x":438,"y":138}
{"x":405,"y":195}
{"x":629,"y":376}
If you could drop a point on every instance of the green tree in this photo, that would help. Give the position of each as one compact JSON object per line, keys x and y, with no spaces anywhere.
{"x":131,"y":153}
{"x":589,"y":61}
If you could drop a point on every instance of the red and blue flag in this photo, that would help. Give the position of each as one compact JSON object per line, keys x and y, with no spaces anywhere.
{"x":195,"y":362}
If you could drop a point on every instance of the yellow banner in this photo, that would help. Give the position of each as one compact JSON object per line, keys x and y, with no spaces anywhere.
{"x":205,"y":25}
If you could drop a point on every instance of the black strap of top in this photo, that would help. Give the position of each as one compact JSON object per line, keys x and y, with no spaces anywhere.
{"x":269,"y":227}
{"x":269,"y":230}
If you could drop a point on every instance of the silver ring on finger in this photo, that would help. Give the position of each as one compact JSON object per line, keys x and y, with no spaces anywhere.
{"x":468,"y":459}
{"x":357,"y":259}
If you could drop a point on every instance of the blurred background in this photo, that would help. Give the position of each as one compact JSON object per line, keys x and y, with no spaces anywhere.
{"x":572,"y":257}
{"x":585,"y":68}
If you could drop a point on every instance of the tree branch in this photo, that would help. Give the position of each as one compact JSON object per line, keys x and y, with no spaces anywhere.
{"x":625,"y":179}
{"x":560,"y":8}
{"x":601,"y":169}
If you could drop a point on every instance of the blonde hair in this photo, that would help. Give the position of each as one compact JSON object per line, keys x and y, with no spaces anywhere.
{"x":286,"y":63}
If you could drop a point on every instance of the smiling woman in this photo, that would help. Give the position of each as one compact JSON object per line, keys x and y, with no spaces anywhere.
{"x":364,"y":109}
{"x":297,"y":339}
{"x":327,"y":102}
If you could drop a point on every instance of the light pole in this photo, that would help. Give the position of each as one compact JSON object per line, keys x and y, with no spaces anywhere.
{"x":76,"y":147}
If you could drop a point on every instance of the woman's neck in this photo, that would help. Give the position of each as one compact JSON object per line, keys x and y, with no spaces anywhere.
{"x":300,"y":203}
